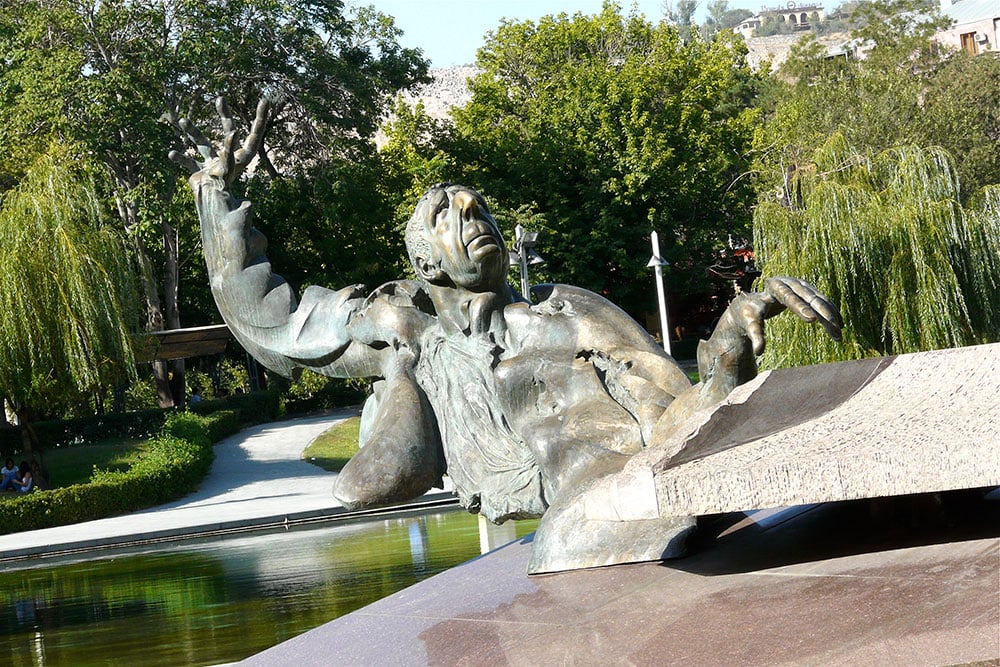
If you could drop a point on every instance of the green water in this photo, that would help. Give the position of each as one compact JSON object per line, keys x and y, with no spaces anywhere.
{"x":222,"y":600}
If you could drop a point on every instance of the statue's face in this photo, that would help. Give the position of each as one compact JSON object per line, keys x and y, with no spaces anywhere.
{"x":465,"y":243}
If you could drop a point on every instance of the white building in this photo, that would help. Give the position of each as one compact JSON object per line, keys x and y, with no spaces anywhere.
{"x":976,"y":25}
{"x":798,"y":15}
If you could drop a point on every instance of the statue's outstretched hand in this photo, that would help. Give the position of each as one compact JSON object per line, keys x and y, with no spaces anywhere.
{"x":781,"y":293}
{"x":232,"y":159}
{"x":728,"y":358}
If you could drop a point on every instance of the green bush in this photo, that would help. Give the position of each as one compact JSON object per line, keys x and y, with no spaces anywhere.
{"x":254,"y":408}
{"x":313,"y":392}
{"x":61,"y":433}
{"x":249,"y":409}
{"x":174,"y":464}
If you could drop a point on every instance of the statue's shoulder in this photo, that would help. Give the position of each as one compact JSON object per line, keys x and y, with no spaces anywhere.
{"x":599,"y":322}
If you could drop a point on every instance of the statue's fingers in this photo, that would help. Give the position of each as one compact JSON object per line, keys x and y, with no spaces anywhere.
{"x":248,"y":150}
{"x":229,"y":140}
{"x":225,"y":115}
{"x":755,"y":331}
{"x":264,"y":107}
{"x":201,"y":142}
{"x":184,"y":160}
{"x":833,"y":328}
{"x":794,"y":295}
{"x":228,"y":155}
{"x":825,"y":310}
{"x":252,"y":143}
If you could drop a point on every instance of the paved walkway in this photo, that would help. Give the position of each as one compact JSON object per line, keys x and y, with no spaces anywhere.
{"x":257,"y":479}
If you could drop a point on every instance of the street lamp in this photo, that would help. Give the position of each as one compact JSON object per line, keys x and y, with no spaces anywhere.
{"x":522,"y":255}
{"x":657,"y":263}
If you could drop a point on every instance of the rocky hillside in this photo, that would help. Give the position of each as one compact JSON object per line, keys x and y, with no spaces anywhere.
{"x":775,"y":48}
{"x":447,"y":90}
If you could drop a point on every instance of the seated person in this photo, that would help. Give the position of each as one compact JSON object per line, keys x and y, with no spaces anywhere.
{"x":38,"y":480}
{"x":24,"y":482}
{"x":10,"y":475}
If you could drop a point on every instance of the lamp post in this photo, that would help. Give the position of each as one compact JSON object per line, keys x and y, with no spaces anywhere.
{"x":657,"y":263}
{"x":522,"y":255}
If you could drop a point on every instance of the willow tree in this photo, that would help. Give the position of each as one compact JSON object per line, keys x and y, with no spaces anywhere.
{"x":66,"y":290}
{"x":884,"y":235}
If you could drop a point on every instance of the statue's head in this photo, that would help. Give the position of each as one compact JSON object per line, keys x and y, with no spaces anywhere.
{"x":453,"y":240}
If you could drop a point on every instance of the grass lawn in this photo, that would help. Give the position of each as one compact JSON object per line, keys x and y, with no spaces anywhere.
{"x":75,"y":464}
{"x":332,"y":449}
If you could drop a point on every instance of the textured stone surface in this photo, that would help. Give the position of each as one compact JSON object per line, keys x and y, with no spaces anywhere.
{"x":911,"y":581}
{"x":882,"y":427}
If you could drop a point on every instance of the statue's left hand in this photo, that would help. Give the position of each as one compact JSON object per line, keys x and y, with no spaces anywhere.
{"x":232,"y":159}
{"x":781,"y":293}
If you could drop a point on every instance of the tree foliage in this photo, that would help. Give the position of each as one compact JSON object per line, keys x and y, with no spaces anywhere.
{"x":411,"y":157}
{"x":907,"y":91}
{"x":330,"y":224}
{"x":723,"y":17}
{"x":611,"y":127}
{"x":117,"y":75}
{"x":108,"y":73}
{"x":877,"y":179}
{"x":884,"y":235}
{"x":66,"y":288}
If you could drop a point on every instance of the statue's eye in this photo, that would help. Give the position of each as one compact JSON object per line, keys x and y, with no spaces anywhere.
{"x":442,"y":208}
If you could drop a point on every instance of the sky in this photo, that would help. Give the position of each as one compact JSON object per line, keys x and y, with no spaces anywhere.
{"x":450,"y":31}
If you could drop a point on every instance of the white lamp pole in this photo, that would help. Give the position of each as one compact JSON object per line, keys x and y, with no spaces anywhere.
{"x":658,"y":263}
{"x":522,"y":255}
{"x":523,"y":260}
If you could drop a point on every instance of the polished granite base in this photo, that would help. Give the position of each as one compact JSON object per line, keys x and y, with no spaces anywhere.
{"x":911,"y":580}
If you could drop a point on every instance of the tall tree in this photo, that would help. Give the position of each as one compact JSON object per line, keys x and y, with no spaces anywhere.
{"x":611,"y":127}
{"x":722,"y":17}
{"x":67,"y":289}
{"x":117,"y":74}
{"x":681,"y":16}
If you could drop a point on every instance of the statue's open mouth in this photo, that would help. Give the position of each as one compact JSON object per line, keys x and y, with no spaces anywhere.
{"x":482,"y":245}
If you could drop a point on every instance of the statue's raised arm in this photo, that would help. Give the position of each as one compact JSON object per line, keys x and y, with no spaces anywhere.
{"x":341,"y":333}
{"x":729,"y":357}
{"x":259,"y":306}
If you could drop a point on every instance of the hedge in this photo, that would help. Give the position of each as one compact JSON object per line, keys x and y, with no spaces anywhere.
{"x":173,"y":465}
{"x":251,"y":409}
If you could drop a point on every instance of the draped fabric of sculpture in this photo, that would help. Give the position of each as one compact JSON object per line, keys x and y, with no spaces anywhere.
{"x":521,"y":405}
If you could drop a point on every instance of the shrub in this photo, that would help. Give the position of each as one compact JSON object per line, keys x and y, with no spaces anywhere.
{"x":60,"y":433}
{"x":313,"y":392}
{"x":254,"y":408}
{"x":249,"y":409}
{"x":173,"y":465}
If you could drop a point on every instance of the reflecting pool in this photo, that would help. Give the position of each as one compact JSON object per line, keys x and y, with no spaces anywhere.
{"x":219,"y":600}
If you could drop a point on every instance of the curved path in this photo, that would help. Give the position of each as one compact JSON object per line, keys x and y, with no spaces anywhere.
{"x":257,"y":478}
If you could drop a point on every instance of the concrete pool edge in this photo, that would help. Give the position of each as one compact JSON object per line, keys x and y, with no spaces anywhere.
{"x":142,"y":537}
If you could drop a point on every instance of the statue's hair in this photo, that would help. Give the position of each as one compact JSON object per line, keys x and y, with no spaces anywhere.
{"x":415,"y":236}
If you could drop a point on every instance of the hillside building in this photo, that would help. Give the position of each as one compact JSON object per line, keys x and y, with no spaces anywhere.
{"x":975,"y":28}
{"x":797,"y":15}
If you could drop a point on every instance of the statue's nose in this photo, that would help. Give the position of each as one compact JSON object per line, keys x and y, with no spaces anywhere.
{"x":466,"y":203}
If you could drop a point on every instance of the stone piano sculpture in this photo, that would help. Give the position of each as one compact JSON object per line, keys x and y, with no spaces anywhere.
{"x":524,"y":406}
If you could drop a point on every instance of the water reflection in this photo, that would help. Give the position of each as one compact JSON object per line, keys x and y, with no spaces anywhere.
{"x":218,"y":601}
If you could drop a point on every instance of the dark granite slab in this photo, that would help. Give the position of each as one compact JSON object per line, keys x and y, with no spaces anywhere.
{"x":900,"y":581}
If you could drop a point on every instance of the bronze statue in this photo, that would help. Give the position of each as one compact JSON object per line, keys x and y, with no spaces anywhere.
{"x":520,"y":404}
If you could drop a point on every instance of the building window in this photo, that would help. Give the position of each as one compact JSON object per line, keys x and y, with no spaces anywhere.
{"x":969,"y":43}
